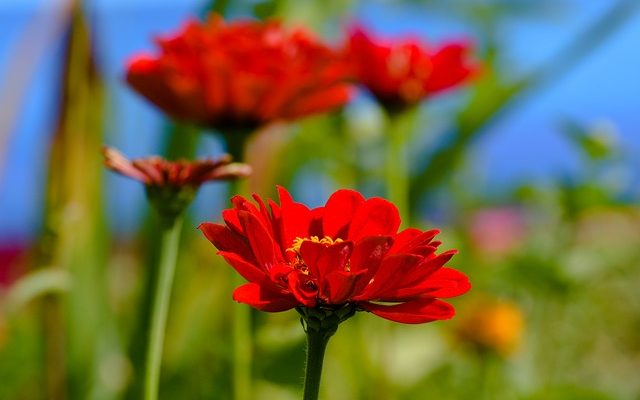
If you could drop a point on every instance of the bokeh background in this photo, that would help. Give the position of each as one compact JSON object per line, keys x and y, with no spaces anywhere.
{"x":532,"y":172}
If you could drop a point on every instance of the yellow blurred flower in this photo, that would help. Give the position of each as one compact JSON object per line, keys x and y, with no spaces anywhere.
{"x":491,"y":325}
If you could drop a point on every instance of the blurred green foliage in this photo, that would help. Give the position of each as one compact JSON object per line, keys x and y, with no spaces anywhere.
{"x":565,"y":255}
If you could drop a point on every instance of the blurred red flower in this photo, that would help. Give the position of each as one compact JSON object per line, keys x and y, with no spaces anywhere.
{"x":401,"y":73}
{"x":241,"y":74}
{"x":156,"y":171}
{"x":347,"y":252}
{"x":12,"y":262}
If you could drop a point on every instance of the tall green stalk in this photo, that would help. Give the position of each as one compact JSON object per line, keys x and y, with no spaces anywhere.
{"x":169,"y":241}
{"x":181,"y":142}
{"x":399,"y":125}
{"x":79,"y":330}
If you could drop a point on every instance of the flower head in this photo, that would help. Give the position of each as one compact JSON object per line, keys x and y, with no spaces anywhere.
{"x":347,"y":253}
{"x":401,"y":73}
{"x":172,"y":185}
{"x":241,"y":74}
{"x":156,"y":171}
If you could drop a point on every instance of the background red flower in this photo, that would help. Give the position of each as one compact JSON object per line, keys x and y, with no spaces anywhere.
{"x":403,"y":72}
{"x":240,"y":74}
{"x":156,"y":171}
{"x":349,"y":251}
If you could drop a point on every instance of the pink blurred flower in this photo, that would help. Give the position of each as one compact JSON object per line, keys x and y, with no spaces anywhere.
{"x":497,"y":231}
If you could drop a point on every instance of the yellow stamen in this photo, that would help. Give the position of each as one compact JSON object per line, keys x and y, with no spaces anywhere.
{"x":297,"y":242}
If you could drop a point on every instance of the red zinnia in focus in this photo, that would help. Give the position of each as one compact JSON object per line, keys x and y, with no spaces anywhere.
{"x":241,"y":74}
{"x":401,"y":73}
{"x":348,"y":252}
{"x":156,"y":171}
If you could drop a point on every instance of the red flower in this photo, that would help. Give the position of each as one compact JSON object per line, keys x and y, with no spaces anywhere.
{"x":156,"y":171}
{"x":404,"y":72}
{"x":12,"y":263}
{"x":347,"y":252}
{"x":242,"y":74}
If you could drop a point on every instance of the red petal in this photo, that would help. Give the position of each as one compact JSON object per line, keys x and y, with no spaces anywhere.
{"x":263,"y":299}
{"x":428,"y":252}
{"x":284,"y":196}
{"x":248,"y":271}
{"x":145,"y":75}
{"x":375,"y":217}
{"x":450,"y":67}
{"x":321,"y":101}
{"x":177,"y":95}
{"x":322,"y":259}
{"x":338,"y":212}
{"x":444,"y":283}
{"x":393,"y":269}
{"x":366,"y":258}
{"x":261,"y":242}
{"x":315,"y":226}
{"x":447,"y":282}
{"x":369,"y":252}
{"x":294,"y":223}
{"x":404,"y":237}
{"x":226,"y":240}
{"x":408,"y":239}
{"x":242,"y":204}
{"x":338,"y":286}
{"x":304,"y":288}
{"x":424,"y":271}
{"x":230,"y":217}
{"x":412,"y":312}
{"x":276,"y":221}
{"x":263,"y":209}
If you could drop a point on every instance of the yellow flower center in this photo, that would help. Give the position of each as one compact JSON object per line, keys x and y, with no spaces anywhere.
{"x":297,"y":242}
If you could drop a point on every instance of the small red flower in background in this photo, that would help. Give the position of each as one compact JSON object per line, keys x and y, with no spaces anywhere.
{"x":241,"y":74}
{"x":156,"y":171}
{"x":347,"y":252}
{"x":401,"y":73}
{"x":12,"y":262}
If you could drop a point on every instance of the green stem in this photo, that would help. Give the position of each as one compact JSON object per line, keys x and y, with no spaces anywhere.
{"x":397,"y":168}
{"x":316,"y":346}
{"x":242,"y":350}
{"x":170,"y":238}
{"x":319,"y":324}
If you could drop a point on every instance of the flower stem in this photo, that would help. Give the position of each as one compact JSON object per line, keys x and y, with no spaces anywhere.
{"x":242,"y":351}
{"x":397,"y":168}
{"x":319,"y":324}
{"x":316,"y":346}
{"x":169,"y":239}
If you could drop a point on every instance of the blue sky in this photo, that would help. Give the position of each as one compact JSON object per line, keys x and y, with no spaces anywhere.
{"x":521,"y":145}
